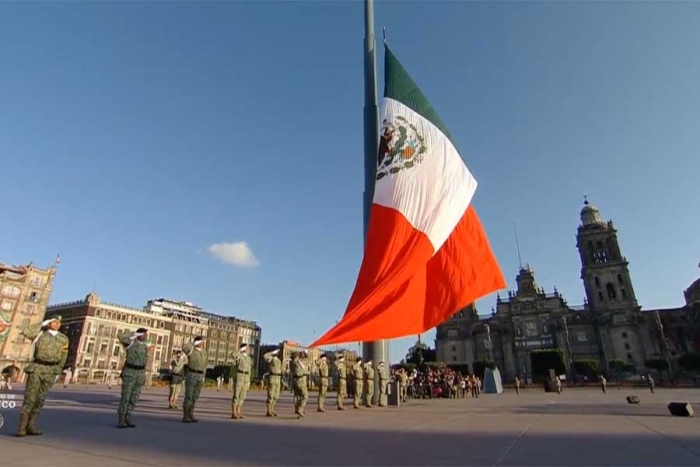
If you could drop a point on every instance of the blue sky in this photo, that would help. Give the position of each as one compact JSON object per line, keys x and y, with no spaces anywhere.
{"x":134,"y":136}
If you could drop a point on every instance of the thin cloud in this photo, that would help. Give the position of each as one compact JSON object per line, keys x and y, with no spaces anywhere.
{"x":235,"y":253}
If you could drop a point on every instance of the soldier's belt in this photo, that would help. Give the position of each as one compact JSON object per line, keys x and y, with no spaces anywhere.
{"x":244,"y":372}
{"x":195,"y":371}
{"x":39,"y":361}
{"x":134,"y":367}
{"x":299,"y":377}
{"x":275,"y":374}
{"x":325,"y":377}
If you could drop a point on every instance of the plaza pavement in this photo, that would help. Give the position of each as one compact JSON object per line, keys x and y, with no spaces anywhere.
{"x":580,"y":427}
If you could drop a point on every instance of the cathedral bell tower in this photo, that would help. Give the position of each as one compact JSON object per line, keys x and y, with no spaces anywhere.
{"x":604,"y":270}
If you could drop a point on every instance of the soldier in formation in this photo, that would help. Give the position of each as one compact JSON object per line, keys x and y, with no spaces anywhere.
{"x":177,"y":377}
{"x":342,"y":380}
{"x":133,"y":374}
{"x":194,"y":377}
{"x":369,"y":383}
{"x":357,"y":375}
{"x":383,"y":381}
{"x":299,"y":384}
{"x":241,"y":372}
{"x":275,"y":382}
{"x":323,"y":375}
{"x":402,"y":376}
{"x":50,"y":355}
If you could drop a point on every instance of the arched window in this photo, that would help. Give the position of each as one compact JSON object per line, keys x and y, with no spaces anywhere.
{"x":619,"y":279}
{"x":600,"y":296}
{"x":612,"y":295}
{"x":624,"y":294}
{"x":597,"y":281}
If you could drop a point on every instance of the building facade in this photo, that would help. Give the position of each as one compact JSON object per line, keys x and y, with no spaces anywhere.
{"x":226,"y":334}
{"x":24,"y":296}
{"x":95,"y":354}
{"x":610,"y":325}
{"x":93,"y":326}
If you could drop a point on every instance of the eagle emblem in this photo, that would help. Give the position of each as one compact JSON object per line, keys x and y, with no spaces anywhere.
{"x":401,"y":147}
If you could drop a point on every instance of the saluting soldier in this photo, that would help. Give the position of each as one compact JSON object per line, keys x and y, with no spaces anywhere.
{"x":194,"y":377}
{"x":133,"y":374}
{"x":342,"y":380}
{"x":177,"y":373}
{"x":383,"y":381}
{"x":369,"y":383}
{"x":323,"y":374}
{"x":241,"y":366}
{"x":50,"y":355}
{"x":357,"y":375}
{"x":275,"y":383}
{"x":299,"y":384}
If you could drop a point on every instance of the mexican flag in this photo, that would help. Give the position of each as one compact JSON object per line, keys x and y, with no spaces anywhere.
{"x":426,"y":253}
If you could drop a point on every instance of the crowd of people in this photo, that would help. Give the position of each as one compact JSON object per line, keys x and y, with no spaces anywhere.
{"x":442,"y":382}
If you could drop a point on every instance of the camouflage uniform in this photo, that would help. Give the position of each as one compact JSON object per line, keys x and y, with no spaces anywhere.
{"x":357,"y":379}
{"x":383,"y":381}
{"x":50,"y":354}
{"x":369,"y":383}
{"x":133,"y":374}
{"x":177,"y":372}
{"x":323,"y":374}
{"x":241,"y":372}
{"x":273,"y":388}
{"x":194,"y":377}
{"x":342,"y":381}
{"x":300,"y":386}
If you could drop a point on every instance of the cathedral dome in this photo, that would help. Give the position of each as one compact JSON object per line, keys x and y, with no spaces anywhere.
{"x":590,"y":215}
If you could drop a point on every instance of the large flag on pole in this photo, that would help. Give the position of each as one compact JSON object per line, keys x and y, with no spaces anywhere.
{"x":426,"y":253}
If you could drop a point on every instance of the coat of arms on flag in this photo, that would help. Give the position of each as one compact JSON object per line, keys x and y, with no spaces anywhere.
{"x":401,"y":147}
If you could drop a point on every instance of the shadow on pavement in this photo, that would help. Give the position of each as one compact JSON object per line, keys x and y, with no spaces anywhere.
{"x":330,"y":439}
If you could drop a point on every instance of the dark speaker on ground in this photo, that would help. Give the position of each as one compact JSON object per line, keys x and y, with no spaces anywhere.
{"x":633,"y":399}
{"x":681,"y":409}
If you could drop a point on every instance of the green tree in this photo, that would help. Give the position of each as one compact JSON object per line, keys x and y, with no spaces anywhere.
{"x":420,"y":353}
{"x":544,"y":360}
{"x":462,"y":368}
{"x":587,"y":367}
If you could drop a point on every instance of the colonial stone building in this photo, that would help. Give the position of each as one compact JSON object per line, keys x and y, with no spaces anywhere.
{"x":95,"y":354}
{"x":24,"y":295}
{"x":610,"y":325}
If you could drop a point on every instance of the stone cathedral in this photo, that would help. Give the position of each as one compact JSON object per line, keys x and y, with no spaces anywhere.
{"x":610,"y":325}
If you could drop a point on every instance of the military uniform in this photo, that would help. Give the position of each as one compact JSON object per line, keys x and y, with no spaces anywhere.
{"x":194,"y":377}
{"x":177,"y":377}
{"x":342,"y":381}
{"x":275,"y":383}
{"x":323,"y":374}
{"x":133,"y":374}
{"x":241,"y":372}
{"x":357,"y":374}
{"x":50,"y":355}
{"x":383,"y":381}
{"x":369,"y":383}
{"x":300,"y":386}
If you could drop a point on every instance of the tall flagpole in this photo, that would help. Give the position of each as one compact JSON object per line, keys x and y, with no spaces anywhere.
{"x":376,"y":351}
